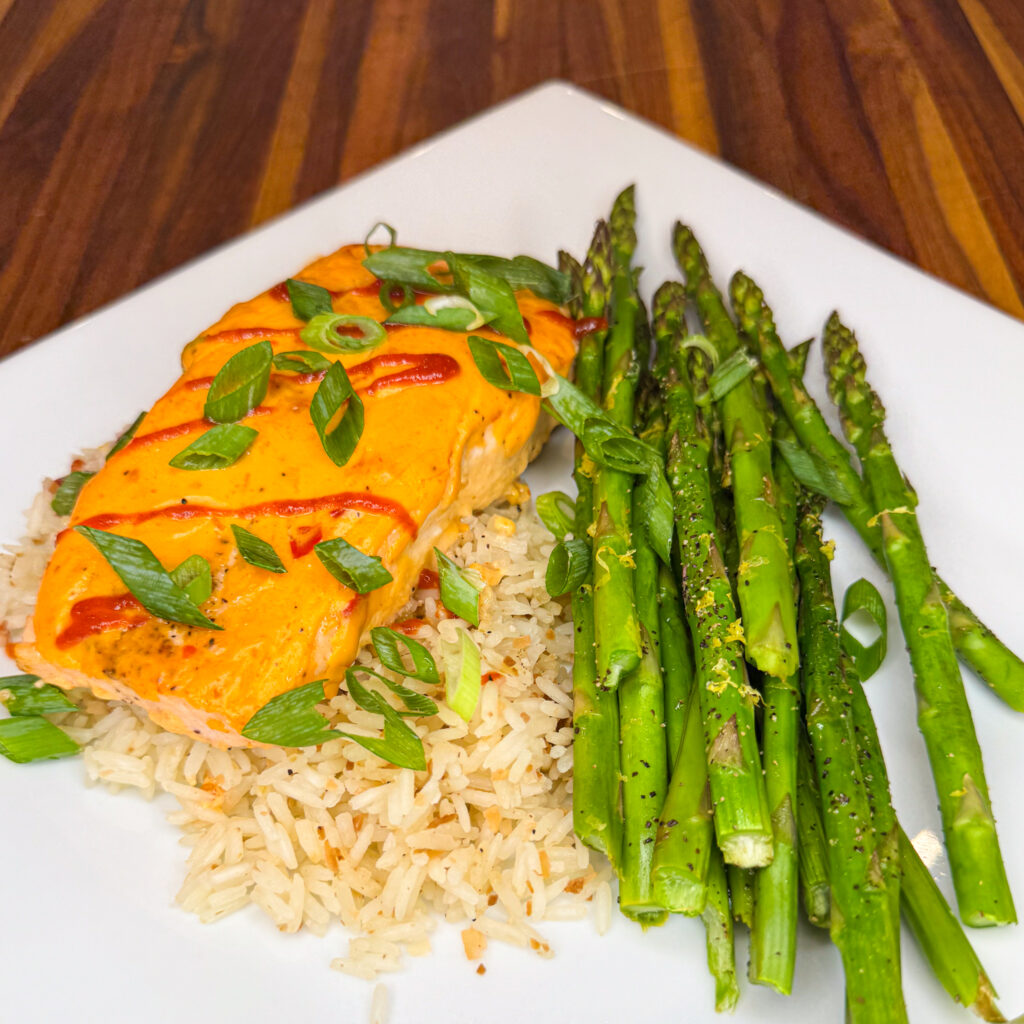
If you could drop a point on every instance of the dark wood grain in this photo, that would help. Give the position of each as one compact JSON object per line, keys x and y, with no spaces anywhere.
{"x":137,"y":135}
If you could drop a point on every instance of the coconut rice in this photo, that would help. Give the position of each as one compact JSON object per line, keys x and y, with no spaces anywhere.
{"x":482,"y":838}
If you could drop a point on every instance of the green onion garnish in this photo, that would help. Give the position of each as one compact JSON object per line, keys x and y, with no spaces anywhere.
{"x":392,"y":235}
{"x":503,"y":366}
{"x":240,"y":384}
{"x":301,"y":361}
{"x":557,"y":512}
{"x":329,"y":332}
{"x":29,"y":695}
{"x":461,"y":675}
{"x":812,"y":471}
{"x":334,"y":391}
{"x":291,"y":720}
{"x":193,"y":575}
{"x":221,"y":446}
{"x":417,"y":703}
{"x":656,"y":512}
{"x":740,"y":365}
{"x":403,"y":265}
{"x":67,"y":494}
{"x":256,"y":551}
{"x":491,"y":293}
{"x":568,"y":567}
{"x":385,"y":643}
{"x":141,"y":572}
{"x":387,"y":287}
{"x":458,"y":314}
{"x":31,"y":738}
{"x":863,"y":597}
{"x":399,"y":745}
{"x":359,"y":572}
{"x":459,"y":594}
{"x":308,"y":300}
{"x":127,"y":435}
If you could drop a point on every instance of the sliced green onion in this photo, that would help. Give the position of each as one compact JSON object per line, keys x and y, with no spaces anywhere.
{"x":409,"y":266}
{"x":863,"y":598}
{"x":557,"y":512}
{"x":399,"y":744}
{"x":654,"y":500}
{"x":221,"y":446}
{"x":607,"y":443}
{"x":141,"y":572}
{"x":702,"y":344}
{"x":727,"y":375}
{"x":490,"y":293}
{"x":193,"y":575}
{"x":436,"y":303}
{"x":29,"y":695}
{"x":459,"y":594}
{"x":504,"y":366}
{"x":324,"y":333}
{"x":31,"y":738}
{"x":126,"y":436}
{"x":392,"y":235}
{"x":568,"y":567}
{"x":385,"y":643}
{"x":524,"y":272}
{"x":240,"y":384}
{"x":67,"y":494}
{"x":301,"y":361}
{"x":335,"y":391}
{"x":454,"y":318}
{"x":256,"y":551}
{"x":308,"y":299}
{"x":359,"y":572}
{"x":813,"y":471}
{"x":387,"y":287}
{"x":291,"y":720}
{"x":461,"y":674}
{"x":417,"y":704}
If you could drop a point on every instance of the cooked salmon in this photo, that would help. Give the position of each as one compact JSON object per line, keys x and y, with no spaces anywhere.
{"x":439,"y":442}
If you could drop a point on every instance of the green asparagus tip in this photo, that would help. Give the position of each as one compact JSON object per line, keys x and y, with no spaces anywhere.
{"x":570,"y":266}
{"x":623,"y":226}
{"x":669,"y":308}
{"x":689,"y":256}
{"x":847,"y":373}
{"x":597,"y":271}
{"x":798,"y":357}
{"x":748,"y":304}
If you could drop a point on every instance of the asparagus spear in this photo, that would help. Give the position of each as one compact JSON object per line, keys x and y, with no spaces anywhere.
{"x":675,"y":652}
{"x":773,"y":937}
{"x":595,"y":803}
{"x":718,"y":926}
{"x":764,"y":577}
{"x":934,"y":925}
{"x":862,"y":924}
{"x":676,"y":659}
{"x":944,"y":717}
{"x":811,"y":843}
{"x":617,"y":629}
{"x":942,"y":940}
{"x":685,"y":832}
{"x":998,"y":666}
{"x":727,"y":700}
{"x":644,"y":753}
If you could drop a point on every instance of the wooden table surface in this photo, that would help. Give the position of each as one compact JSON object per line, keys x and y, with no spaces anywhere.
{"x":136,"y":134}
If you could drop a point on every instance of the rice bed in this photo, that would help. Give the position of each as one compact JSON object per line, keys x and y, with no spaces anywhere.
{"x":482,"y":838}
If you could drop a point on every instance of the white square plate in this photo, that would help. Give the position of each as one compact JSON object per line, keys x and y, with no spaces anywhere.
{"x":90,"y":931}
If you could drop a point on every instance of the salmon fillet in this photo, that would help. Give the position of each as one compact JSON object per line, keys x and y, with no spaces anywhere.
{"x":439,"y":443}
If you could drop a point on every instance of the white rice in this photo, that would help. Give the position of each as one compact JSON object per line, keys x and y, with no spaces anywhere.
{"x":482,"y":838}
